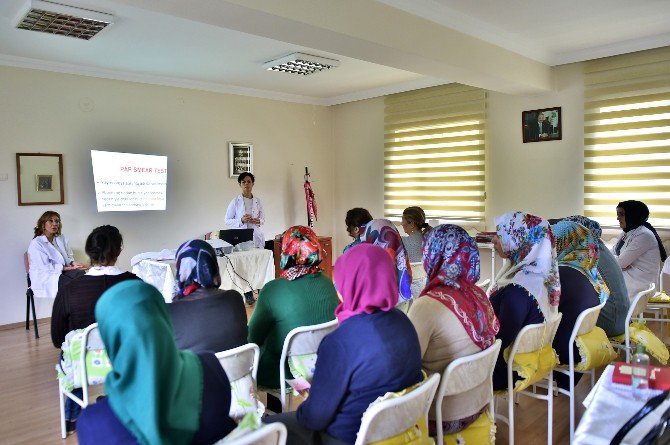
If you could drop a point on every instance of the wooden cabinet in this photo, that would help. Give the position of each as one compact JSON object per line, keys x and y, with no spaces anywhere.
{"x":327,"y":256}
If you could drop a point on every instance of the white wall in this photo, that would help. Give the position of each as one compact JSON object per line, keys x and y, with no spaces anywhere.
{"x":43,"y":112}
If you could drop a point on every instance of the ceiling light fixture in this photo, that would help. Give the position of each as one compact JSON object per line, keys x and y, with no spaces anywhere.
{"x":60,"y":19}
{"x":301,"y":63}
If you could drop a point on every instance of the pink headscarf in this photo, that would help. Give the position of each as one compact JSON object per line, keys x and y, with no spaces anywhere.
{"x":365,"y":277}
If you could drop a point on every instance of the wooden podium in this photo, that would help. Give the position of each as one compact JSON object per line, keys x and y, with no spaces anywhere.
{"x":327,"y":256}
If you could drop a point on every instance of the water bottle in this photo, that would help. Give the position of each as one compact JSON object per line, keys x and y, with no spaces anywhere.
{"x":640,"y":368}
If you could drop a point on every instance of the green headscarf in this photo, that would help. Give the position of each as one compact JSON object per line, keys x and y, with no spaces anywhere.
{"x":154,"y":389}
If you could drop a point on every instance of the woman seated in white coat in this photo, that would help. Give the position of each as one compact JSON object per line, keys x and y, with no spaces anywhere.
{"x":51,"y":260}
{"x":639,"y":249}
{"x":246,"y":211}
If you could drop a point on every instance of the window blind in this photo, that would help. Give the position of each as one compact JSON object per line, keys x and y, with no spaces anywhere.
{"x":434,"y":152}
{"x":627,"y":134}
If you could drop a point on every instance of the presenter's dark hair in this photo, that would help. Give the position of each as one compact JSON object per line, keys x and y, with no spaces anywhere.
{"x":39,"y":227}
{"x":104,"y":244}
{"x":244,"y":175}
{"x":357,"y":217}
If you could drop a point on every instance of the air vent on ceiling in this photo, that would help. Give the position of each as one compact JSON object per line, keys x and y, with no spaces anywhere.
{"x":64,"y":20}
{"x":301,"y":63}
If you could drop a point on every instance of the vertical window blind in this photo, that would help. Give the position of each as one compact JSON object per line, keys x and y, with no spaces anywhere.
{"x":627,"y":134}
{"x":434,"y":152}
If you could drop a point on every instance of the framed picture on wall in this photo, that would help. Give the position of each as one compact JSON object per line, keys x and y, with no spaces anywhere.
{"x":241,"y":158}
{"x":541,"y":125}
{"x":39,"y":178}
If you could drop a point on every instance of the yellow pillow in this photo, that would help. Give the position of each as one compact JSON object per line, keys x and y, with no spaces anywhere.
{"x":640,"y":333}
{"x":533,"y":366}
{"x":660,"y":298}
{"x":481,"y":432}
{"x":595,"y":350}
{"x":416,"y":435}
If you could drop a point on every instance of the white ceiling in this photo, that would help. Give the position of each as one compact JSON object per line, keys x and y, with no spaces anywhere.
{"x":167,"y":42}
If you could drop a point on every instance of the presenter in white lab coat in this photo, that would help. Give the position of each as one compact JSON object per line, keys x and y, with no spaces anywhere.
{"x":246,"y":211}
{"x":51,"y":260}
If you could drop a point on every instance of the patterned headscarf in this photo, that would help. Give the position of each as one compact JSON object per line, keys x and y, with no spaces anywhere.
{"x":155,"y":390}
{"x":590,"y":224}
{"x":365,"y":277}
{"x":300,"y":253}
{"x":529,"y":243}
{"x":382,"y":233}
{"x":577,"y":247}
{"x":196,"y":266}
{"x":451,"y":260}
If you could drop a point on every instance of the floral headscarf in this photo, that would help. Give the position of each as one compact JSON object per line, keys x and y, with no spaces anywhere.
{"x":577,"y":247}
{"x":529,"y":243}
{"x":451,"y":261}
{"x":300,"y":253}
{"x":382,"y":233}
{"x":196,"y":266}
{"x":365,"y":277}
{"x":590,"y":224}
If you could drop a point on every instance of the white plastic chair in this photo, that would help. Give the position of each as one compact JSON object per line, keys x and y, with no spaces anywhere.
{"x":461,"y":376}
{"x":531,"y":338}
{"x":240,"y":362}
{"x":268,"y":434}
{"x":300,"y":341}
{"x":660,"y":309}
{"x":484,"y":285}
{"x":584,"y":324}
{"x":90,"y":340}
{"x":377,"y":425}
{"x":637,"y":307}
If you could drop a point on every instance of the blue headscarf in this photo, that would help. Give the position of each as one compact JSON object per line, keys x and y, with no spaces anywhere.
{"x":196,"y":266}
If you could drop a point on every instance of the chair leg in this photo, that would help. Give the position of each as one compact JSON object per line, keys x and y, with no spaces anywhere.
{"x":510,"y":416}
{"x":63,"y":433}
{"x":572,"y":404}
{"x":32,"y":301}
{"x":28,"y":310}
{"x":550,"y":408}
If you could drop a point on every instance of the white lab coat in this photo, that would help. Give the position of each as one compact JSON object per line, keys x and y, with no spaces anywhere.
{"x":639,"y":259}
{"x":46,"y":264}
{"x":235,"y":213}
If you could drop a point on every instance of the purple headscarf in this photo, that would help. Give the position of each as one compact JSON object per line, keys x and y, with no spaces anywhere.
{"x":365,"y":277}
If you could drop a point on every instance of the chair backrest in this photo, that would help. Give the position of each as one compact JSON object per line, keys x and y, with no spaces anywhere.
{"x":268,"y":434}
{"x":484,"y":285}
{"x":534,"y":337}
{"x":664,"y":277}
{"x":586,"y":321}
{"x":90,"y":340}
{"x":639,"y":303}
{"x":466,"y":373}
{"x":392,"y":416}
{"x":240,"y":361}
{"x":305,"y":340}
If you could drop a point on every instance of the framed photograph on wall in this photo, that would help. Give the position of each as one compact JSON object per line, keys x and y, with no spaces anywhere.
{"x":240,"y":158}
{"x":39,"y":179}
{"x":541,"y":125}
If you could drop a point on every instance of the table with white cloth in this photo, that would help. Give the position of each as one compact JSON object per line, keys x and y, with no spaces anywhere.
{"x":609,"y":405}
{"x":240,"y":271}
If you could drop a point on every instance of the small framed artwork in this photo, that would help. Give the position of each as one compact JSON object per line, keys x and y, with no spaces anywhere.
{"x":44,"y":183}
{"x":541,"y":125}
{"x":240,"y":158}
{"x":39,"y":179}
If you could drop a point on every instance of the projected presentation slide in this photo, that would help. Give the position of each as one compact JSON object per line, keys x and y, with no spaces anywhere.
{"x":129,"y":182}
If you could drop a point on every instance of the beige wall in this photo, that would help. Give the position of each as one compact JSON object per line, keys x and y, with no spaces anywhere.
{"x":44,"y":112}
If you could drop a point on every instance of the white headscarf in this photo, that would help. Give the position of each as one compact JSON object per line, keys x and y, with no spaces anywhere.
{"x":529,"y":243}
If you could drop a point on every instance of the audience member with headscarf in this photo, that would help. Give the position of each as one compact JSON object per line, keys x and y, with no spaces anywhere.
{"x":382,"y":233}
{"x":74,"y":306}
{"x":356,"y":219}
{"x":612,"y":318}
{"x":156,"y":394}
{"x":204,"y":317}
{"x":302,"y":296}
{"x":582,"y":286}
{"x":374,"y":350}
{"x":453,"y":318}
{"x":527,"y":289}
{"x":639,"y":249}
